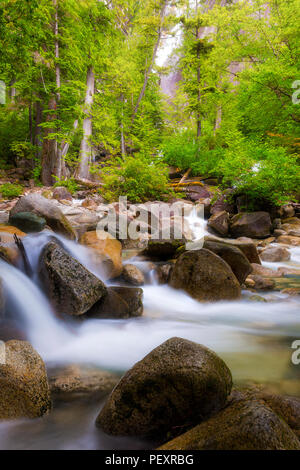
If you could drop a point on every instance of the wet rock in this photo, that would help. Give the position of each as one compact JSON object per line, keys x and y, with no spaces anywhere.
{"x":178,"y":383}
{"x":261,"y":283}
{"x":89,"y":204}
{"x":24,"y":389}
{"x":47,"y":209}
{"x":77,"y":381}
{"x":266,"y":242}
{"x":244,"y":425}
{"x":196,"y":192}
{"x":257,"y":298}
{"x":258,"y":269}
{"x":72,"y":289}
{"x":106,"y":252}
{"x":118,"y":303}
{"x":294,"y":233}
{"x":28,"y":222}
{"x":233,"y":256}
{"x":288,"y":240}
{"x":205,"y":276}
{"x":246,"y":246}
{"x":252,"y":224}
{"x":163,"y":273}
{"x":133,"y":275}
{"x":133,"y":296}
{"x":219,"y":222}
{"x":162,"y":249}
{"x":4,"y":217}
{"x":62,"y":194}
{"x":7,"y":233}
{"x":275,"y":254}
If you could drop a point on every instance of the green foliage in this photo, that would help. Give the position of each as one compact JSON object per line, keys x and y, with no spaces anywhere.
{"x":139,"y":178}
{"x":68,"y":183}
{"x":261,"y":173}
{"x":10,"y":191}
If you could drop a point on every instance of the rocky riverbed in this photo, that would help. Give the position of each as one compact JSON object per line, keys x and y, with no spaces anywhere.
{"x":79,"y":310}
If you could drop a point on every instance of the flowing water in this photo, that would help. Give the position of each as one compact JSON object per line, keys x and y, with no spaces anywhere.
{"x":254,"y":338}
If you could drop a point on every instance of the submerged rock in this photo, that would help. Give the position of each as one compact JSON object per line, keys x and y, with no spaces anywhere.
{"x":72,"y":289}
{"x":243,"y":425}
{"x":205,"y":276}
{"x":77,"y":381}
{"x":275,"y":254}
{"x":24,"y":389}
{"x":252,"y":224}
{"x":233,"y":256}
{"x":178,"y":383}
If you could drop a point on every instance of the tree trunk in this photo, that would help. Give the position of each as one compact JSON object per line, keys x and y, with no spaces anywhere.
{"x":149,"y":69}
{"x":50,"y":161}
{"x":85,"y":147}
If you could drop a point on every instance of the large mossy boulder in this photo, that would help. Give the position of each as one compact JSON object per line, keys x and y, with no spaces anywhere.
{"x":243,"y":425}
{"x":118,"y":303}
{"x":106,"y":252}
{"x":178,"y":383}
{"x":24,"y":389}
{"x":47,"y":209}
{"x":28,"y":222}
{"x":233,"y":256}
{"x":205,"y":276}
{"x":72,"y":289}
{"x":251,"y":224}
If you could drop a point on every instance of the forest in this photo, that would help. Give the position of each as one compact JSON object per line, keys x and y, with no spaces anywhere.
{"x":150,"y":227}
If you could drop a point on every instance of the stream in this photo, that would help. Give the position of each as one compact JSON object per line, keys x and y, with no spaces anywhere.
{"x":254,"y":338}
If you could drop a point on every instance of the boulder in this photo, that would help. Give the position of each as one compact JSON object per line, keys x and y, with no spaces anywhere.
{"x":246,"y":246}
{"x":118,"y":303}
{"x":78,"y":381}
{"x":219,"y":222}
{"x":286,"y":211}
{"x":105,"y":252}
{"x":62,"y":194}
{"x":47,"y":209}
{"x":275,"y":254}
{"x":252,"y":224}
{"x":178,"y":383}
{"x":205,"y":276}
{"x":244,"y":425}
{"x":289,"y":240}
{"x":163,"y":250}
{"x":195,"y":192}
{"x":4,"y":217}
{"x":233,"y":256}
{"x":89,"y":204}
{"x":24,"y":389}
{"x":28,"y":222}
{"x":133,"y":275}
{"x":72,"y":289}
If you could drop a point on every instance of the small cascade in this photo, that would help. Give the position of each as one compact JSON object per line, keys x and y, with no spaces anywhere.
{"x":24,"y":299}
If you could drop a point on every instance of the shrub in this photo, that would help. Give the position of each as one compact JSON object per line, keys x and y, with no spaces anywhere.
{"x":9,"y":191}
{"x":262,"y":173}
{"x":138,"y":178}
{"x":68,"y":183}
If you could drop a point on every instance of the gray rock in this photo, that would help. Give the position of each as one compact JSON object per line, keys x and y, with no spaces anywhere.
{"x":178,"y":383}
{"x":72,"y":289}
